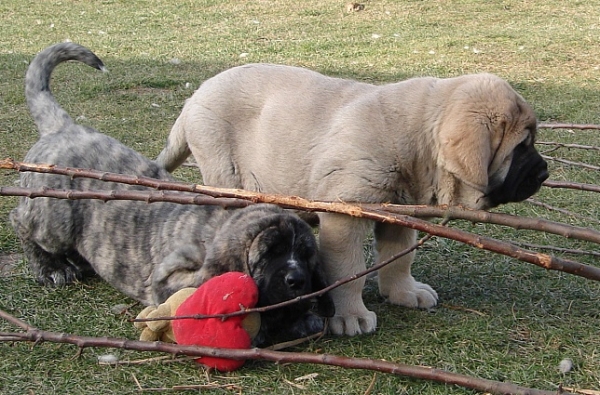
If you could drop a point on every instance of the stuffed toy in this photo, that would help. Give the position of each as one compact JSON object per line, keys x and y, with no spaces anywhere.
{"x":222,"y":294}
{"x":162,"y":330}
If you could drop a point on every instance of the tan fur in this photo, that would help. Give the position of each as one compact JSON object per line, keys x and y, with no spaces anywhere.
{"x":288,"y":130}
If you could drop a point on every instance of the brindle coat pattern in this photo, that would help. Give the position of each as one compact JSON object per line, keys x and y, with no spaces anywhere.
{"x":149,"y":251}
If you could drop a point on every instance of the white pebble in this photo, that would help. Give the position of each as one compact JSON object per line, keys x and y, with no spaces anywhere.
{"x":118,"y":308}
{"x":565,"y":366}
{"x":108,"y":359}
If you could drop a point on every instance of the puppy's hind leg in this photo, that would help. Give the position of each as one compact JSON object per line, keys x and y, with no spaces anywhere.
{"x":395,"y":280}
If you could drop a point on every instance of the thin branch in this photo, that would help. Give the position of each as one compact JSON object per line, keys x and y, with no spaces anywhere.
{"x":571,"y":163}
{"x":561,"y":210}
{"x":448,"y":212}
{"x":148,"y":196}
{"x":418,"y":372}
{"x":559,"y":249}
{"x":481,"y":216}
{"x":563,"y":145}
{"x":572,"y":185}
{"x":577,"y":126}
{"x":161,"y":359}
{"x":482,"y":242}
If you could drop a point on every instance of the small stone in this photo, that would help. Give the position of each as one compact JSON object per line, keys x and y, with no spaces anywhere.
{"x":108,"y":359}
{"x":565,"y":366}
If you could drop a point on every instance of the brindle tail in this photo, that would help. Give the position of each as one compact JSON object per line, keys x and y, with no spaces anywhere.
{"x":48,"y":115}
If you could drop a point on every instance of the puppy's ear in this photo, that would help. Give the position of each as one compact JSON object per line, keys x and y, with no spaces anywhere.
{"x":324,"y":305}
{"x":465,"y":148}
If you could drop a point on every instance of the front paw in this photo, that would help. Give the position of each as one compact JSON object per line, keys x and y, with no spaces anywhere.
{"x":58,"y":276}
{"x":306,"y":326}
{"x":352,"y":325}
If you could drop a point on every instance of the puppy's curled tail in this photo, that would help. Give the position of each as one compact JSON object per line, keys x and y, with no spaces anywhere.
{"x":48,"y":115}
{"x":176,"y":148}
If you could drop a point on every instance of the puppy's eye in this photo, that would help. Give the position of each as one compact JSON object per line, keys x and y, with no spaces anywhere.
{"x":278,"y":249}
{"x":528,"y":140}
{"x":305,"y":252}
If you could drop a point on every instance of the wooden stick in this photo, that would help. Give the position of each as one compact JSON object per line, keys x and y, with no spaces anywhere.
{"x":578,"y":126}
{"x":571,"y":163}
{"x":561,"y":210}
{"x":420,"y":372}
{"x":543,"y":260}
{"x":563,"y":145}
{"x":389,"y":210}
{"x":572,"y":185}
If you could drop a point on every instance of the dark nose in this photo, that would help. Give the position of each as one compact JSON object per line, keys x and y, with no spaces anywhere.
{"x":295,"y":280}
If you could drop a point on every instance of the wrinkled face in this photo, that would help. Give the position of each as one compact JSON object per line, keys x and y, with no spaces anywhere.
{"x":487,"y":144}
{"x":516,"y":169}
{"x":279,"y":251}
{"x":283,"y":262}
{"x":524,"y":177}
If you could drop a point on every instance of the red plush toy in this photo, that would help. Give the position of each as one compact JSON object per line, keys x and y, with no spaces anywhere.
{"x":223,"y":294}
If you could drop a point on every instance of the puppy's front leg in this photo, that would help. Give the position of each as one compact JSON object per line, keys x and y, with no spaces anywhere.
{"x":395,"y":281}
{"x":180,"y":269}
{"x":341,"y":247}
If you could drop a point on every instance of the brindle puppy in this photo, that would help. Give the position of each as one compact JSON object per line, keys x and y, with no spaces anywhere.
{"x":149,"y":251}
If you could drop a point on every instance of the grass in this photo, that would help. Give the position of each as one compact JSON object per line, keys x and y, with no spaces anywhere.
{"x":499,"y":319}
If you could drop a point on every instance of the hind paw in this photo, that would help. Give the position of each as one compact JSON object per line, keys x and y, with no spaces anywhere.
{"x":413,"y":294}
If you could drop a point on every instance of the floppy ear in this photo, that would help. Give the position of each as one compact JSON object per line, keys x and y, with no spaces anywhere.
{"x":465,"y":148}
{"x":324,"y":306}
{"x":237,"y":243}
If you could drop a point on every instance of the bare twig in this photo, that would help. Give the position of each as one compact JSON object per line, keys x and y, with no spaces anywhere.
{"x":418,"y":372}
{"x":148,"y":196}
{"x":295,"y":342}
{"x":582,"y":391}
{"x":161,"y":359}
{"x":513,"y":221}
{"x":410,"y":210}
{"x":561,"y":210}
{"x":571,"y":163}
{"x":572,"y":185}
{"x":577,"y":126}
{"x":371,"y":385}
{"x":564,"y":145}
{"x":559,"y":249}
{"x":542,"y":260}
